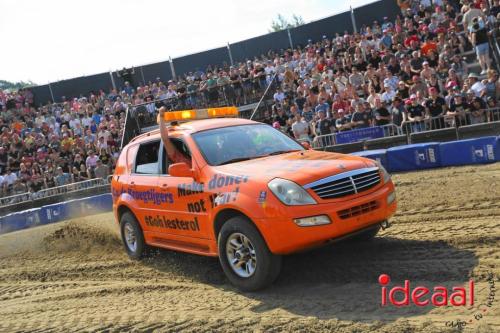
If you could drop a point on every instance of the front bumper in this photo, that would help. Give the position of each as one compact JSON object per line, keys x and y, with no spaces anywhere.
{"x":283,"y":236}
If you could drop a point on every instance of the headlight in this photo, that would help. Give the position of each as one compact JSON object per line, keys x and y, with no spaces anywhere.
{"x":385,"y":174}
{"x":290,"y":193}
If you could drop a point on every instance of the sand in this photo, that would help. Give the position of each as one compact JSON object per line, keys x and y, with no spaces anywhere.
{"x":75,"y":276}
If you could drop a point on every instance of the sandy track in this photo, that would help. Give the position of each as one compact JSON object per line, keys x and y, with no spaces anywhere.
{"x":74,"y":276}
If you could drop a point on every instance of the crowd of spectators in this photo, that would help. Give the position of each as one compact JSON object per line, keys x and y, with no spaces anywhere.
{"x":410,"y":73}
{"x":400,"y":72}
{"x":57,"y":144}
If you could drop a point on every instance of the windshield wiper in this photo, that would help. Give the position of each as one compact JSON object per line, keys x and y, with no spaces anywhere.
{"x":234,"y":160}
{"x":279,"y":152}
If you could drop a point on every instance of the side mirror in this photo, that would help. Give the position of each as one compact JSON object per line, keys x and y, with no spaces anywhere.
{"x":306,"y":145}
{"x":180,"y":170}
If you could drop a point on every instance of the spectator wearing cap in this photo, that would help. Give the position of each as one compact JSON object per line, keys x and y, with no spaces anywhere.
{"x":457,"y":111}
{"x":343,"y":122}
{"x":436,"y":108}
{"x":477,"y":114}
{"x":381,"y":115}
{"x":388,"y":94}
{"x":415,"y":115}
{"x":397,"y":111}
{"x":416,"y":63}
{"x":403,"y":91}
{"x":323,"y":125}
{"x":427,"y":71}
{"x":476,"y":85}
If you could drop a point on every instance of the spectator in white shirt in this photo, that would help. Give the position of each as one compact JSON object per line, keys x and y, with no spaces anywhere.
{"x":279,"y":96}
{"x":300,"y":128}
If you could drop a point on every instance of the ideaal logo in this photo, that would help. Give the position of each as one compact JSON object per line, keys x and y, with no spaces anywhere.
{"x":439,"y":296}
{"x":422,"y":296}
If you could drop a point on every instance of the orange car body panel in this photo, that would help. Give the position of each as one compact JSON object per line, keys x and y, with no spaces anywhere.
{"x":179,"y":213}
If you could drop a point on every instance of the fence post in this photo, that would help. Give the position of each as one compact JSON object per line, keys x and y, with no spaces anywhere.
{"x":230,"y":54}
{"x":143,"y":79}
{"x":353,"y":19}
{"x":51,"y":93}
{"x":172,"y":68}
{"x":289,"y":37}
{"x":112,"y":80}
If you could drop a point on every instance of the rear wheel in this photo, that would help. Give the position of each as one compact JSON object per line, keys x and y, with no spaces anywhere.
{"x":132,"y":236}
{"x":245,"y":257}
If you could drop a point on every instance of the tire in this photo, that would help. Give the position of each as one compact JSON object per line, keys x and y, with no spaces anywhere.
{"x":266,"y":266}
{"x":366,"y":235}
{"x":128,"y":225}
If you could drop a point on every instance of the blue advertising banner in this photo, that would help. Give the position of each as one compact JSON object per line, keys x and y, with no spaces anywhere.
{"x":56,"y":212}
{"x":359,"y":135}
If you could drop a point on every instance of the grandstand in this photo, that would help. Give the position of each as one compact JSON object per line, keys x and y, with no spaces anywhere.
{"x":414,"y":76}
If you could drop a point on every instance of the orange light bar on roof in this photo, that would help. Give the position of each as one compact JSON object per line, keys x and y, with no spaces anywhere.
{"x":185,"y":115}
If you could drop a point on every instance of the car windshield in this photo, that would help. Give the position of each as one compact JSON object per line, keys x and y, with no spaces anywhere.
{"x":238,"y":143}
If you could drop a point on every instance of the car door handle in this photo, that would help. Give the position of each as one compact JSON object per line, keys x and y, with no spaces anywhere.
{"x":164,"y":187}
{"x":132,"y":184}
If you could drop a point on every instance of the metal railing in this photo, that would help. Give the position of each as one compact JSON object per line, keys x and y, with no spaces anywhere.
{"x":322,"y":141}
{"x":53,"y":191}
{"x":450,"y":120}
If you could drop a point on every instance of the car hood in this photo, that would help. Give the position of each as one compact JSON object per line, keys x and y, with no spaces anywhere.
{"x":301,"y":167}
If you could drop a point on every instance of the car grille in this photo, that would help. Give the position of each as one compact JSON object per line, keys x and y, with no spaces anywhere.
{"x":347,"y":183}
{"x":358,"y":210}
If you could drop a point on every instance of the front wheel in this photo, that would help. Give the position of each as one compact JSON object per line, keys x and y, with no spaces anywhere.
{"x":245,"y":257}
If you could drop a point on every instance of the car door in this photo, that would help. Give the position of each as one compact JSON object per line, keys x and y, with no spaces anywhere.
{"x":187,"y":217}
{"x":143,"y":185}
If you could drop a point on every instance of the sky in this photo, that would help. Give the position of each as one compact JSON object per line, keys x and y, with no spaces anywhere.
{"x":51,"y":40}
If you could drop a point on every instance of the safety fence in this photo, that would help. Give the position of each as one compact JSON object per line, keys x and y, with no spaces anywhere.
{"x":56,"y":212}
{"x":452,"y":121}
{"x":355,"y":135}
{"x":54,"y":191}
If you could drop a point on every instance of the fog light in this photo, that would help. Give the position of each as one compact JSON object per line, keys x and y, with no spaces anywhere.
{"x":312,"y":221}
{"x":391,"y":197}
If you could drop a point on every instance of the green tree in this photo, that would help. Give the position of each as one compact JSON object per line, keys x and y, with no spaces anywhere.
{"x":281,"y":23}
{"x":15,"y":85}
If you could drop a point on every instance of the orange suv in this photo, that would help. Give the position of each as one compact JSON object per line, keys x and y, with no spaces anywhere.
{"x":251,"y":195}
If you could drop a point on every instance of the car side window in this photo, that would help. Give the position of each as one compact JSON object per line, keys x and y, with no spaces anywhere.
{"x":181,"y":147}
{"x":146,"y":161}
